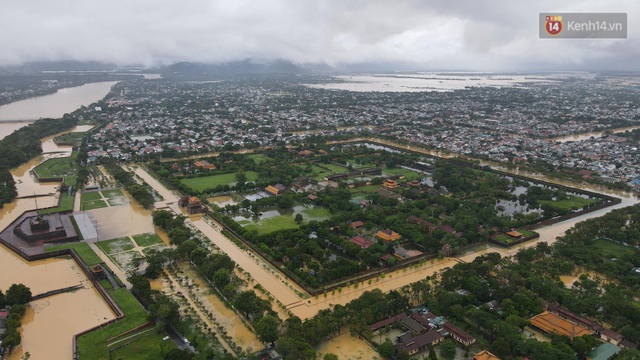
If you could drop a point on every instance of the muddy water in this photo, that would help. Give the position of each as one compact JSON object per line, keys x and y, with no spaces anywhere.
{"x":222,"y":201}
{"x":56,"y":318}
{"x":397,"y":279}
{"x":57,"y":104}
{"x":594,"y":134}
{"x":167,"y":195}
{"x":258,"y":271}
{"x":224,"y":316}
{"x":347,"y":347}
{"x":122,"y":220}
{"x":7,"y":128}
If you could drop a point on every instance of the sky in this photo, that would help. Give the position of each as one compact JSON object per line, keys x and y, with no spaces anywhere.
{"x":491,"y":35}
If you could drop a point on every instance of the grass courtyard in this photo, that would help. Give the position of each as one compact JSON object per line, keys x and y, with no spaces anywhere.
{"x":96,"y":344}
{"x":282,"y":222}
{"x":66,"y":168}
{"x":84,"y":251}
{"x":572,"y":203}
{"x":100,"y":199}
{"x":210,"y":182}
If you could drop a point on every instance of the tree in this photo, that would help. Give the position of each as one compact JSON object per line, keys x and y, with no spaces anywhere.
{"x":330,"y":356}
{"x":386,"y":349}
{"x":432,"y":353}
{"x":241,"y":177}
{"x":298,"y":218}
{"x":3,"y":300}
{"x":448,"y":350}
{"x":221,"y":278}
{"x":18,"y":294}
{"x":267,"y":329}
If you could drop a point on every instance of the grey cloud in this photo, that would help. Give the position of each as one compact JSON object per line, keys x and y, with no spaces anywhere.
{"x":466,"y":34}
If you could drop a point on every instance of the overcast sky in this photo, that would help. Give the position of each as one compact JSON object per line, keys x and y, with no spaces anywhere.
{"x":427,"y":34}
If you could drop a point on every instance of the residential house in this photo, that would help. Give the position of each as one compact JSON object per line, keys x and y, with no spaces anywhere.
{"x":360,"y":241}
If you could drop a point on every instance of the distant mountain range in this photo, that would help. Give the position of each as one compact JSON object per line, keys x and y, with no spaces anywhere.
{"x":199,"y":70}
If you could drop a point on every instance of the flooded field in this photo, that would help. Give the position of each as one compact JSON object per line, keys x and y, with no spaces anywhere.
{"x":347,"y":347}
{"x":55,"y":318}
{"x":222,"y":201}
{"x":424,"y":82}
{"x":224,"y":316}
{"x":123,"y":220}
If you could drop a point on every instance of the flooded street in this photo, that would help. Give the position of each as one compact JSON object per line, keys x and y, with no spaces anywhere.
{"x":589,"y":135}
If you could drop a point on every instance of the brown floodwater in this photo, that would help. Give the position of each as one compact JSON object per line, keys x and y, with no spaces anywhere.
{"x":55,"y":318}
{"x":594,"y":134}
{"x":223,"y":315}
{"x":50,"y":323}
{"x":122,"y":220}
{"x":7,"y":128}
{"x":260,"y":271}
{"x":57,"y":104}
{"x":347,"y":347}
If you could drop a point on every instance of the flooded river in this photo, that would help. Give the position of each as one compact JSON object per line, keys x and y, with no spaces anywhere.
{"x":50,"y":106}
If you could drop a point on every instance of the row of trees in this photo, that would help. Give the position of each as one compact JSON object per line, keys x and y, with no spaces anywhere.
{"x":139,"y":192}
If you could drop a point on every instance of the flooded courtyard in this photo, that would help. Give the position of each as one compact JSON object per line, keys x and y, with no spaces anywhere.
{"x":56,"y":318}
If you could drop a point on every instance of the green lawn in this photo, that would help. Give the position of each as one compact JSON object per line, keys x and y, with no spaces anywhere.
{"x":74,"y":138}
{"x":610,"y":249}
{"x":66,"y":204}
{"x":147,"y":239}
{"x":335,"y":168}
{"x":210,"y":182}
{"x":94,"y":204}
{"x":145,"y":346}
{"x":91,"y":195}
{"x":366,"y":189}
{"x":408,"y":174}
{"x":573,"y":201}
{"x":258,"y":158}
{"x":271,"y":224}
{"x":94,"y":345}
{"x":60,"y":167}
{"x":115,"y":245}
{"x":86,"y":254}
{"x":316,"y":172}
